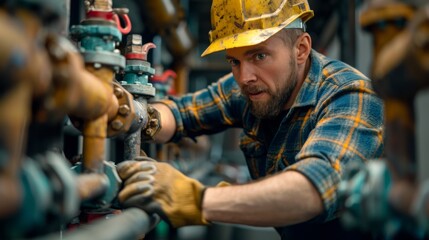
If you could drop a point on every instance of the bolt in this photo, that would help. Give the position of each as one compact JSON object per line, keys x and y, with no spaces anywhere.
{"x":134,"y":44}
{"x":134,"y":49}
{"x":150,"y":109}
{"x":134,"y":39}
{"x":153,"y":122}
{"x":124,"y":110}
{"x":118,"y":92}
{"x":117,"y":124}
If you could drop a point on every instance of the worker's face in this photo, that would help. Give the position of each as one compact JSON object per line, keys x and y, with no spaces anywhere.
{"x":266,"y":74}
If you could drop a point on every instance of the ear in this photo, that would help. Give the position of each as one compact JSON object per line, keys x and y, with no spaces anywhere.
{"x":303,"y":48}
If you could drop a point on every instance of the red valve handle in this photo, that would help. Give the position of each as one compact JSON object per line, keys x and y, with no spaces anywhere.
{"x":127,"y":20}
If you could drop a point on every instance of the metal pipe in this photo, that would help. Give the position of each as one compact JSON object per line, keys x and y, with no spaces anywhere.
{"x":21,"y":78}
{"x":132,"y":142}
{"x":91,"y":185}
{"x":77,"y":92}
{"x":400,"y":71}
{"x":132,"y":223}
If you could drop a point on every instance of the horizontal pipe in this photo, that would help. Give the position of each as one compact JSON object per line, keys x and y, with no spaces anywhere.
{"x":132,"y":223}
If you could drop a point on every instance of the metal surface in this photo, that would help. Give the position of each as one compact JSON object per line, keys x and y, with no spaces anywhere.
{"x":136,"y":81}
{"x":21,"y":80}
{"x":75,"y":91}
{"x":98,"y":36}
{"x":125,"y":115}
{"x":111,"y":190}
{"x":45,"y":79}
{"x":400,"y":72}
{"x":91,"y":185}
{"x":131,"y":224}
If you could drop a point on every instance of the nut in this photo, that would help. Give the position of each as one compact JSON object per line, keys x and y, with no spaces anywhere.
{"x":117,"y":124}
{"x":124,"y":110}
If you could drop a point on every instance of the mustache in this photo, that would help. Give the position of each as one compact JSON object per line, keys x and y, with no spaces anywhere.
{"x":252,"y":89}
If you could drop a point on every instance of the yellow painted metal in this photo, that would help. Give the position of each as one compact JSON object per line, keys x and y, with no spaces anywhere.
{"x":376,"y":13}
{"x":239,"y":23}
{"x":95,"y":131}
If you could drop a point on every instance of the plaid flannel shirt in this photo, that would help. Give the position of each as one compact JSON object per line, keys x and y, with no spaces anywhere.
{"x":336,"y":119}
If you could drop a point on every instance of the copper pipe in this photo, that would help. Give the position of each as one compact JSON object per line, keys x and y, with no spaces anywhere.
{"x":398,"y":75}
{"x":77,"y":92}
{"x":39,"y":70}
{"x":181,"y":81}
{"x":92,"y":96}
{"x":113,"y":108}
{"x":378,"y":12}
{"x":14,"y":116}
{"x":95,"y":131}
{"x":22,"y":80}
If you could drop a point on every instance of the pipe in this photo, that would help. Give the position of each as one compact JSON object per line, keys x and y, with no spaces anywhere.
{"x":77,"y":92}
{"x":132,"y":223}
{"x":22,"y":80}
{"x":132,"y":142}
{"x":91,"y":185}
{"x":95,"y":131}
{"x":400,"y":71}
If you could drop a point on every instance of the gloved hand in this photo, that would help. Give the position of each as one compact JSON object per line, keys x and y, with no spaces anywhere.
{"x":159,"y":188}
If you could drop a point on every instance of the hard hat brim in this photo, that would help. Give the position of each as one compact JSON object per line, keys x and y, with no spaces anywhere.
{"x":244,"y":39}
{"x":252,"y":37}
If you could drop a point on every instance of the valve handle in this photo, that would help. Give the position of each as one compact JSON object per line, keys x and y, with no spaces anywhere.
{"x":127,"y":20}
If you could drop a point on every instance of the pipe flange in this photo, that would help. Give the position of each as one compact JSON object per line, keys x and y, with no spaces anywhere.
{"x":115,"y":182}
{"x":126,"y":112}
{"x":144,"y":90}
{"x":99,"y":59}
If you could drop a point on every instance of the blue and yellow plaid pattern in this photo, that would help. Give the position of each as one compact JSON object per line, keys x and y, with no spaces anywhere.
{"x":336,"y":119}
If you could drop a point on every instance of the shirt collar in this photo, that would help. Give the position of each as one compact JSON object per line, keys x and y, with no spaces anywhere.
{"x":307,"y":95}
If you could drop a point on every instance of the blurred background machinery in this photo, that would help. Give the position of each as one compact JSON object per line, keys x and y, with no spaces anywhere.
{"x":77,"y":77}
{"x":388,"y":197}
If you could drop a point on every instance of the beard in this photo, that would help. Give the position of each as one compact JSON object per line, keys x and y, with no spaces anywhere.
{"x":275,"y":104}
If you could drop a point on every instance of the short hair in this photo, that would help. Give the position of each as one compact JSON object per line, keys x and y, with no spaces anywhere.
{"x":290,"y":35}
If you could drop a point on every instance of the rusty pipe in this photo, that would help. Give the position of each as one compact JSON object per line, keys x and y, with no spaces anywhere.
{"x":95,"y":131}
{"x":400,"y":71}
{"x":382,"y":12}
{"x":21,"y":80}
{"x":14,"y":117}
{"x":76,"y":91}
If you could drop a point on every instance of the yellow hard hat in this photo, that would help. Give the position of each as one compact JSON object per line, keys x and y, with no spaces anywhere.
{"x":239,"y":23}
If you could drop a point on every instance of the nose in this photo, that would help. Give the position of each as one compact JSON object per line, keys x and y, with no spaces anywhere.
{"x":245,"y":74}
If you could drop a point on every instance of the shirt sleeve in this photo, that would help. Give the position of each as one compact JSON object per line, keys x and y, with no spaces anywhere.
{"x":210,"y":110}
{"x":348,"y":128}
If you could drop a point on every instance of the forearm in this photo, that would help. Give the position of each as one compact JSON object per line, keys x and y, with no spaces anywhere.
{"x":168,"y":123}
{"x":284,"y":199}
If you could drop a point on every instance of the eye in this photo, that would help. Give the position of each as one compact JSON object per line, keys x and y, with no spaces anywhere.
{"x":233,"y":62}
{"x":260,"y":56}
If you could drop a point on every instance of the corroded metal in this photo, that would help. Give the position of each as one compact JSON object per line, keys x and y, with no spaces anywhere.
{"x":95,"y":131}
{"x":121,"y":122}
{"x":21,"y":80}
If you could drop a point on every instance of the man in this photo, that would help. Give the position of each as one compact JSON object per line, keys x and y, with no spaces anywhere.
{"x":304,"y":117}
